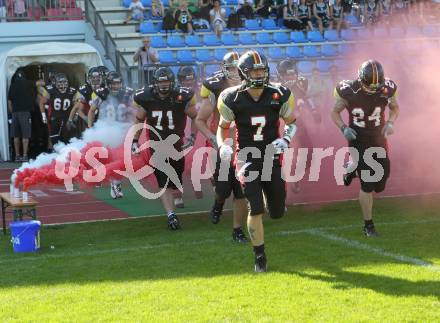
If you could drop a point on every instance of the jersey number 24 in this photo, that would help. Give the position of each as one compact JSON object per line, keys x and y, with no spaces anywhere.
{"x":359,"y":117}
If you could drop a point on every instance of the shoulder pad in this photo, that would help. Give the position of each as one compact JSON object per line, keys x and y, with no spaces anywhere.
{"x":184,"y":94}
{"x":129,"y":91}
{"x":389,"y":88}
{"x":229,"y":94}
{"x":347,"y":88}
{"x":72,"y":90}
{"x":214,"y":81}
{"x":83,"y":88}
{"x":50,"y":88}
{"x":102,"y":93}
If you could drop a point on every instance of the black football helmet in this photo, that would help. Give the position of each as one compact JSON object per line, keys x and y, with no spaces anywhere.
{"x":229,"y":66}
{"x":94,"y":78}
{"x":253,"y":61}
{"x":371,"y":76}
{"x":61,"y":82}
{"x":163,"y":80}
{"x":103,"y":70}
{"x":287,"y":71}
{"x":186,"y":76}
{"x":113,"y":82}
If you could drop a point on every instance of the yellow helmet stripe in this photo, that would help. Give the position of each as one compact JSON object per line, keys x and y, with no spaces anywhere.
{"x":375,"y":74}
{"x":257,"y":58}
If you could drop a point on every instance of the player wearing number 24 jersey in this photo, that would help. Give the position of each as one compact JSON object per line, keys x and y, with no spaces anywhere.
{"x":366,"y":99}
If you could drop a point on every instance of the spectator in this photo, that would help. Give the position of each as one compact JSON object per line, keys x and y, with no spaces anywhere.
{"x":264,"y":8}
{"x":305,"y":15}
{"x":19,"y":8}
{"x":245,"y":9}
{"x":137,"y":11}
{"x":321,"y":15}
{"x":21,"y":103}
{"x":2,"y":10}
{"x":145,"y":56}
{"x":218,"y":18}
{"x":205,"y":9}
{"x":290,"y":20}
{"x":193,"y":7}
{"x":385,"y":9}
{"x":371,"y":11}
{"x":184,"y":18}
{"x":157,"y":9}
{"x":337,"y":15}
{"x":174,"y":5}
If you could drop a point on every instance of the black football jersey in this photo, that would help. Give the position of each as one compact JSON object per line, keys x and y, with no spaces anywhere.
{"x":60,"y":103}
{"x":168,"y":115}
{"x":113,"y":107}
{"x":86,"y":92}
{"x":257,"y":122}
{"x":366,"y":111}
{"x":298,"y":87}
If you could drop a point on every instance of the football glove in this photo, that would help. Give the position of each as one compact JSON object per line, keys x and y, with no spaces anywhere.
{"x":226,"y":152}
{"x":189,"y":141}
{"x":280,"y":145}
{"x":388,"y":129}
{"x":43,"y":117}
{"x":349,"y":133}
{"x":135,"y":148}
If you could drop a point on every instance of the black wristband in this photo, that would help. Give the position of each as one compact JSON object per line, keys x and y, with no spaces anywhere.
{"x":135,"y":140}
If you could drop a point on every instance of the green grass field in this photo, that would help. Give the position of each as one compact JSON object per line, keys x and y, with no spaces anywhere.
{"x":320,"y":269}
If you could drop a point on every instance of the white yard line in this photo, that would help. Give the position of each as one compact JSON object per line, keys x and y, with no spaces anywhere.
{"x":312,"y":231}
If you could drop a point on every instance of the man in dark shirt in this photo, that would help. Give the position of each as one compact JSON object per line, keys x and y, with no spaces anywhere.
{"x":21,"y":101}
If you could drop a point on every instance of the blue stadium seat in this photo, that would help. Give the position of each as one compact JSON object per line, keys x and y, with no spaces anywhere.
{"x":158,"y":42}
{"x":146,"y":3}
{"x":346,"y":49}
{"x":347,"y":34}
{"x":380,"y":33}
{"x":246,"y":39}
{"x":294,"y":52}
{"x":430,"y":31}
{"x":331,"y":35}
{"x":305,"y":67}
{"x":175,"y":41}
{"x":352,"y":21}
{"x":212,"y":68}
{"x":229,"y":40}
{"x":193,"y":41}
{"x":276,"y":53}
{"x":281,"y":38}
{"x":264,"y":38}
{"x":166,"y":56}
{"x":363,"y":33}
{"x":311,"y":51}
{"x":269,"y":24}
{"x":204,"y":55}
{"x":397,"y":32}
{"x":324,"y":66}
{"x":185,"y":56}
{"x":252,"y":24}
{"x":126,"y":3}
{"x":272,"y":67}
{"x":211,"y":40}
{"x":219,"y":53}
{"x":148,"y":27}
{"x":329,"y":50}
{"x":315,"y":36}
{"x":232,"y":2}
{"x":298,"y":37}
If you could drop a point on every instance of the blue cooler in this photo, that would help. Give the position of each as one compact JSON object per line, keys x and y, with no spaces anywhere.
{"x":25,"y":235}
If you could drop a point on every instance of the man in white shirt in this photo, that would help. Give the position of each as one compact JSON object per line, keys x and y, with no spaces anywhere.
{"x":137,"y":11}
{"x":145,"y":56}
{"x":218,"y":18}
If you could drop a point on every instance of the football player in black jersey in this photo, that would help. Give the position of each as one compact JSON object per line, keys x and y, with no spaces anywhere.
{"x":61,"y":98}
{"x":210,"y":91}
{"x":165,"y":107}
{"x":257,"y":106}
{"x":115,"y":105}
{"x":366,"y":99}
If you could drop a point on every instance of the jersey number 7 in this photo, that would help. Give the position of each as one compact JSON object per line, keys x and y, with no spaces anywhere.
{"x":260,"y":122}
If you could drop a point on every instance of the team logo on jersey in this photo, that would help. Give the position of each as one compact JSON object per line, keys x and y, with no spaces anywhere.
{"x":179,"y":98}
{"x":275,"y":98}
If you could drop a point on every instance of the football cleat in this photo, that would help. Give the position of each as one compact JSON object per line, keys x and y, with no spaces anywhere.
{"x":173,"y":222}
{"x":178,"y":202}
{"x":370,"y":231}
{"x":239,"y":236}
{"x":116,"y":191}
{"x":215,"y":215}
{"x":348,"y":178}
{"x":260,"y":263}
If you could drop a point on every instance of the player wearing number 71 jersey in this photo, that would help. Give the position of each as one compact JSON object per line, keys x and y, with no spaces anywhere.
{"x":366,"y":99}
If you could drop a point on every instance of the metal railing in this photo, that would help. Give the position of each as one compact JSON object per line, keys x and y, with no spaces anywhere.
{"x":35,"y":10}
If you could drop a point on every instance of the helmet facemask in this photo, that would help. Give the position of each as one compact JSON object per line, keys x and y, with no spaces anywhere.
{"x":258,"y":77}
{"x":115,"y":86}
{"x":163,"y":85}
{"x":231,"y":72}
{"x":95,"y":80}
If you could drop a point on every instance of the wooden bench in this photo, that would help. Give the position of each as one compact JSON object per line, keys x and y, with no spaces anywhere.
{"x":19,"y":208}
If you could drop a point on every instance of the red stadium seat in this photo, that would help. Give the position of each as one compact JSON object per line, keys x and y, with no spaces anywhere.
{"x":74,"y":13}
{"x":67,"y":3}
{"x":35,"y":13}
{"x":55,"y":14}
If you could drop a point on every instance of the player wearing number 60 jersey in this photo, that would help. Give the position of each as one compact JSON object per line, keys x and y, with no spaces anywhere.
{"x":165,"y":108}
{"x":60,"y":97}
{"x":366,"y":99}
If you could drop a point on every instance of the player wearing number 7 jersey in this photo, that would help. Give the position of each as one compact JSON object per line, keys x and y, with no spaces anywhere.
{"x":366,"y":99}
{"x":165,"y":108}
{"x":257,"y":106}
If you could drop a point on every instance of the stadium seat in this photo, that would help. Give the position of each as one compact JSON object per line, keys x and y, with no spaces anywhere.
{"x":293,"y":52}
{"x":276,"y":53}
{"x":331,"y":35}
{"x":185,"y":56}
{"x":264,"y":38}
{"x":305,"y":67}
{"x":269,"y":24}
{"x":74,"y":13}
{"x":219,"y":53}
{"x":246,"y":39}
{"x":380,"y":33}
{"x":204,"y":55}
{"x":281,"y":38}
{"x":363,"y":34}
{"x":166,"y":56}
{"x":175,"y":41}
{"x":54,"y":14}
{"x":146,"y":3}
{"x":341,"y":64}
{"x":397,"y":32}
{"x":329,"y":50}
{"x":229,"y":40}
{"x":298,"y":37}
{"x":211,"y":40}
{"x":352,"y":21}
{"x":315,"y":36}
{"x":324,"y":66}
{"x":252,"y":24}
{"x":210,"y":69}
{"x":158,"y":42}
{"x":166,"y":3}
{"x":232,"y":2}
{"x":430,"y":31}
{"x":126,"y":3}
{"x":346,"y":49}
{"x":148,"y":27}
{"x":347,"y":34}
{"x":311,"y":51}
{"x":193,"y":41}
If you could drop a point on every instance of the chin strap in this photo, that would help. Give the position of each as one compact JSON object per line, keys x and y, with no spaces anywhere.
{"x":289,"y":131}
